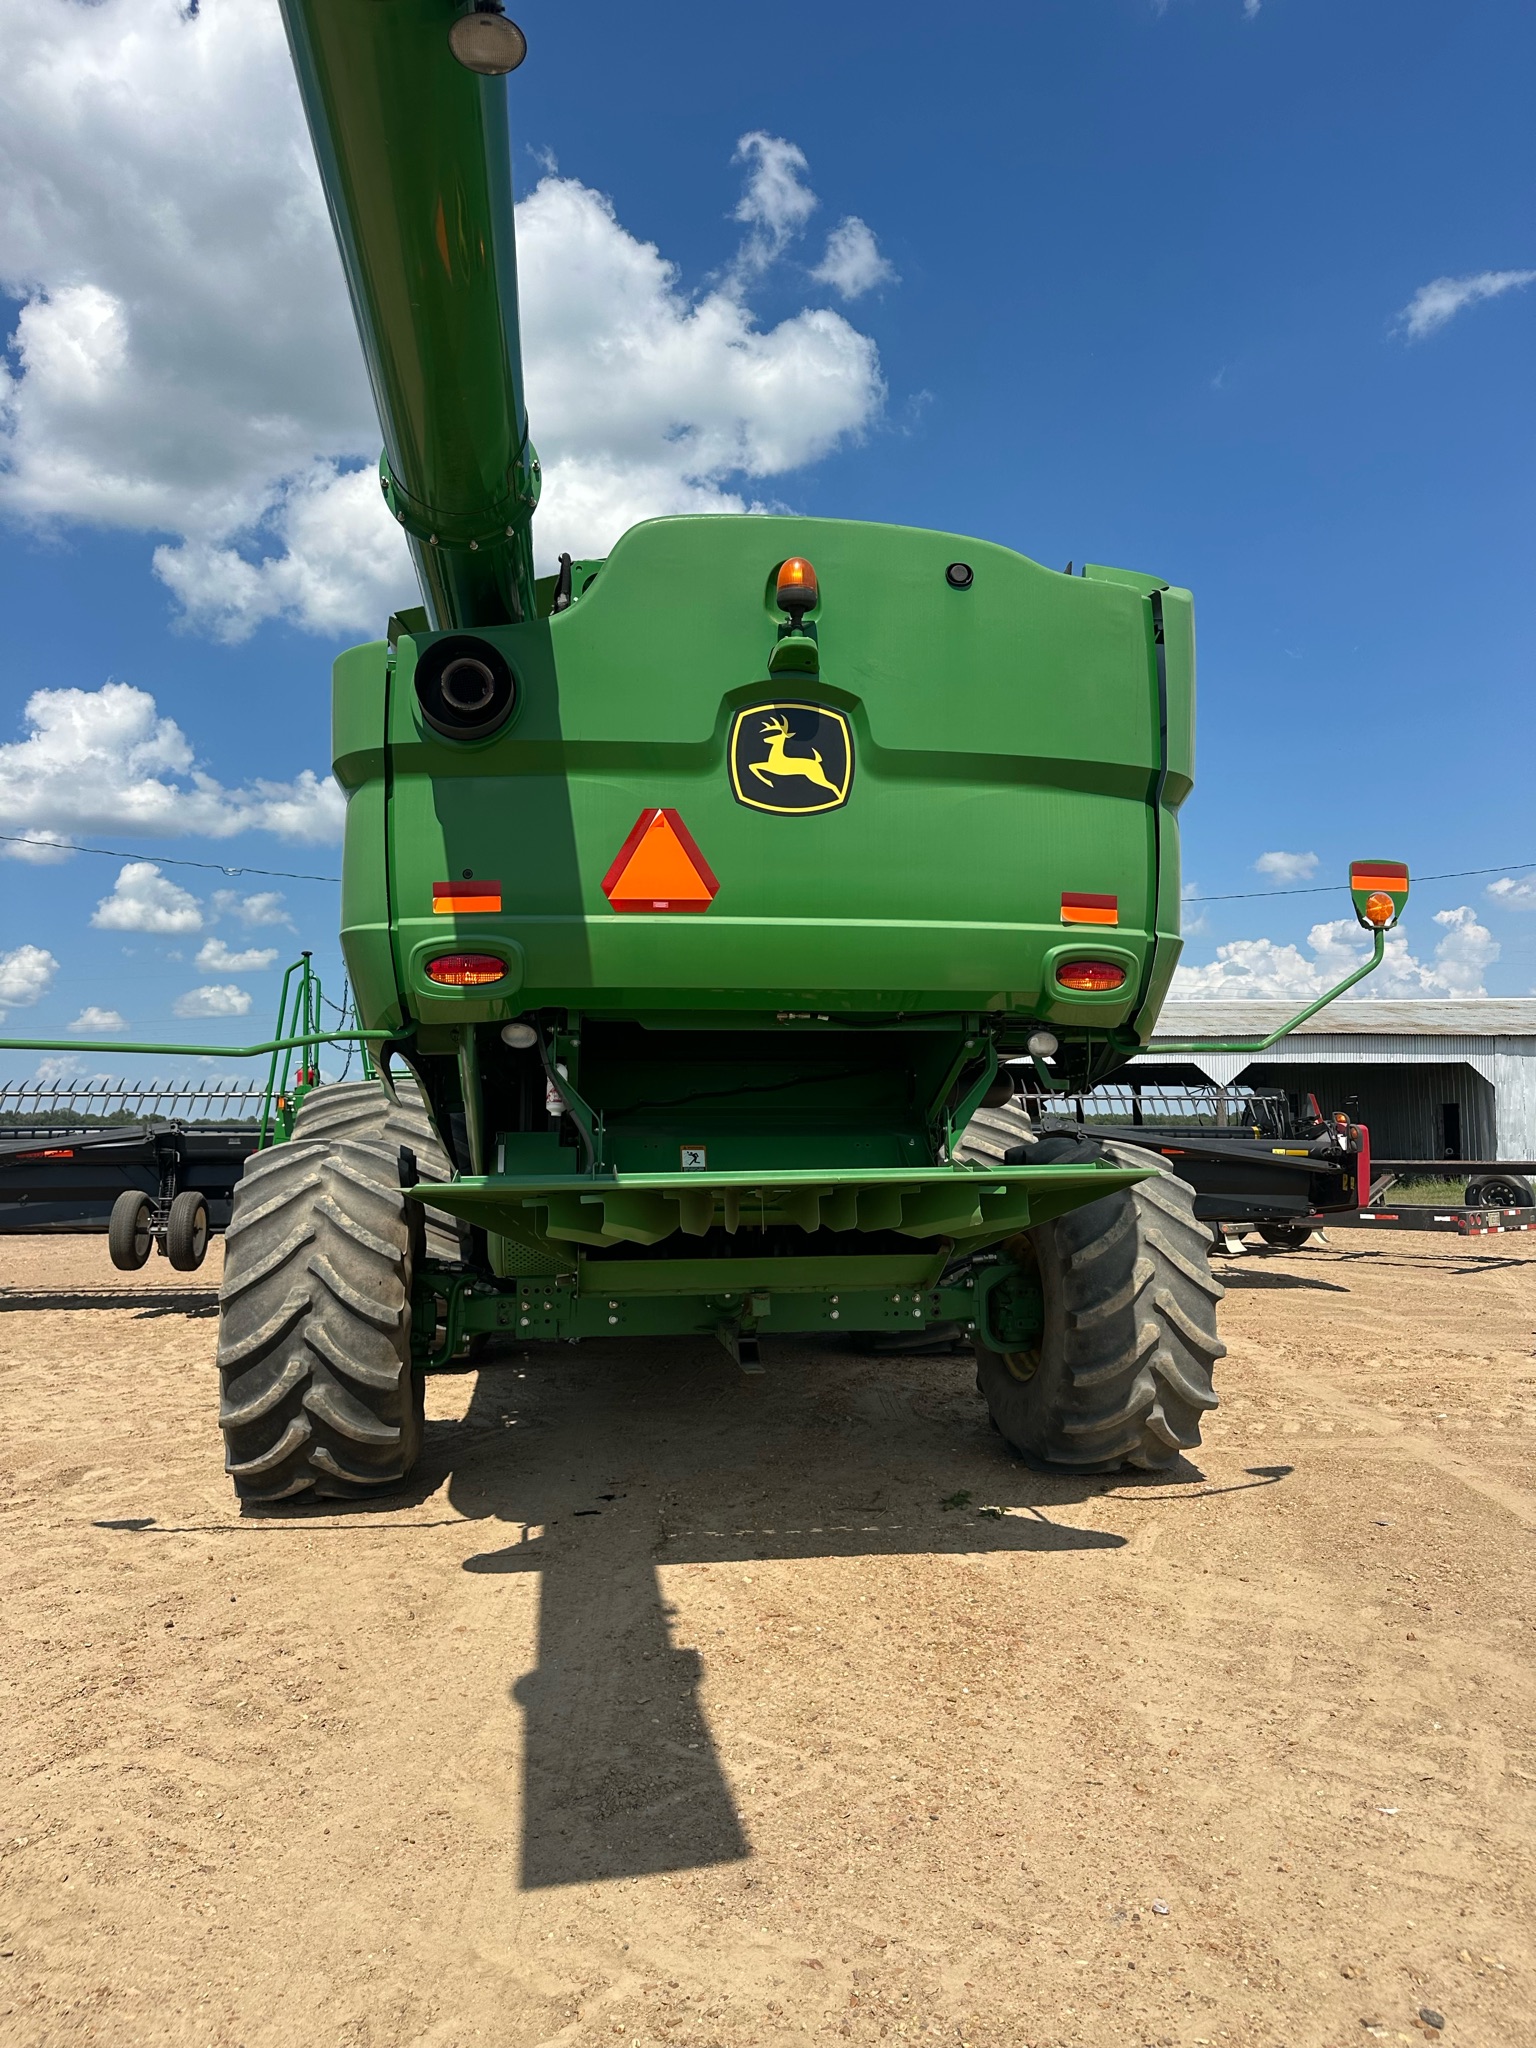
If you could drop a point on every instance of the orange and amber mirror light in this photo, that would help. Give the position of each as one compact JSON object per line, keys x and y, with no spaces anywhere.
{"x":1379,"y":890}
{"x":796,"y":591}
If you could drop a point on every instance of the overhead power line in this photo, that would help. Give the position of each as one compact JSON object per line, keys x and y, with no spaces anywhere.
{"x":1510,"y":867}
{"x":162,"y":860}
{"x":170,"y":860}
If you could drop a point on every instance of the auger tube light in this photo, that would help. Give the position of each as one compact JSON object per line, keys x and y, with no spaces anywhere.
{"x":487,"y":42}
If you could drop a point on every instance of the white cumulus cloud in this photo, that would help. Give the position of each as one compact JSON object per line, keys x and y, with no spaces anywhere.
{"x":145,"y":900}
{"x":1465,"y":954}
{"x":853,"y":263}
{"x":26,"y":974}
{"x":1260,"y":968}
{"x":265,"y":907}
{"x":1287,"y":867}
{"x":94,"y":1022}
{"x":777,"y":202}
{"x":105,"y":760}
{"x":213,"y":999}
{"x":1439,"y":301}
{"x":38,"y":848}
{"x":184,"y":363}
{"x":218,"y":959}
{"x":325,"y":555}
{"x":1508,"y":894}
{"x":646,"y":400}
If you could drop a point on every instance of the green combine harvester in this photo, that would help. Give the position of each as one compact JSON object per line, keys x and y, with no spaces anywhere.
{"x":694,"y":897}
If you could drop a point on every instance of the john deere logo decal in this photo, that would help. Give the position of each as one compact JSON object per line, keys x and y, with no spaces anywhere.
{"x":791,"y":758}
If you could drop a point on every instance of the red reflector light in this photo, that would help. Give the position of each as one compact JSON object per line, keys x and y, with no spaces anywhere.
{"x":796,"y":590}
{"x":1090,"y":977}
{"x":466,"y":970}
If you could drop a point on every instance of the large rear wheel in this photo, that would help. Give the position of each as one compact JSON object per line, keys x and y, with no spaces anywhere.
{"x":318,"y":1392}
{"x":1120,"y":1374}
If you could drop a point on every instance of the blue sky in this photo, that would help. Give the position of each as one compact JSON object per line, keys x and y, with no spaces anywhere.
{"x":1129,"y":284}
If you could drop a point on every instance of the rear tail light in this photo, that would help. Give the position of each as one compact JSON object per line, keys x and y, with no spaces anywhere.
{"x":466,"y":970}
{"x":1090,"y":977}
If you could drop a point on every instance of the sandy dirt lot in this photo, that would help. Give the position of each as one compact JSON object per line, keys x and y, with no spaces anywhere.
{"x":675,"y":1706}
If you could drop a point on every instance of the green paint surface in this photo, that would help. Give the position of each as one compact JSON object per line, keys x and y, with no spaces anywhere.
{"x":1007,"y":747}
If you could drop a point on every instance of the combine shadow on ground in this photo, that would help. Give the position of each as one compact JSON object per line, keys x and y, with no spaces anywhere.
{"x":618,"y":1459}
{"x":599,"y":1466}
{"x":1236,"y":1279}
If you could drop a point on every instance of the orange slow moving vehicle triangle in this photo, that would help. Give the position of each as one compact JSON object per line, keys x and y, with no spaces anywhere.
{"x":659,"y":867}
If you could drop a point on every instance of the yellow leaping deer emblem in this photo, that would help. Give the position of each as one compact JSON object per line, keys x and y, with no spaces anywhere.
{"x":776,"y":731}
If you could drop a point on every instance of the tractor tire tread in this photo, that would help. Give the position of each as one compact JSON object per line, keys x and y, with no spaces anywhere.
{"x":1125,"y":1368}
{"x":992,"y":1132}
{"x":319,"y":1393}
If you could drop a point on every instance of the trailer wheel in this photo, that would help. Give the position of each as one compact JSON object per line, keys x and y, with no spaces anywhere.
{"x":130,"y":1238}
{"x":186,"y":1231}
{"x":1286,"y":1237}
{"x":319,"y":1394}
{"x":1121,"y":1372}
{"x":1499,"y":1191}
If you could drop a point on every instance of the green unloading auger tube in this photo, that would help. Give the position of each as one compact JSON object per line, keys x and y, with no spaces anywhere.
{"x":416,"y":164}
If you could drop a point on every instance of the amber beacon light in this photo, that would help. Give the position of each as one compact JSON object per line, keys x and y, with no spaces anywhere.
{"x":796,"y":591}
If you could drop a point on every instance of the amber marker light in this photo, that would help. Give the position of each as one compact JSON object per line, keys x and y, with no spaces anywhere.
{"x":1091,"y":977}
{"x":796,"y":592}
{"x":1379,"y":909}
{"x":466,"y":970}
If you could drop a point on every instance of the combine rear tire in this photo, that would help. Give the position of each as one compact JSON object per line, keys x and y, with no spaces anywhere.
{"x":1121,"y":1372}
{"x":130,"y":1238}
{"x":318,"y":1392}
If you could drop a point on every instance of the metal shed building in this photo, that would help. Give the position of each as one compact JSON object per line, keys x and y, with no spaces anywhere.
{"x":1446,"y":1079}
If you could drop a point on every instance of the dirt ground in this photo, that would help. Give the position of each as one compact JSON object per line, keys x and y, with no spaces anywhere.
{"x":677,"y":1706}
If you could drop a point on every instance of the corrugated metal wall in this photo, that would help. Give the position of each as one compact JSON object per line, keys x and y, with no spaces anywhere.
{"x":1403,"y":1106}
